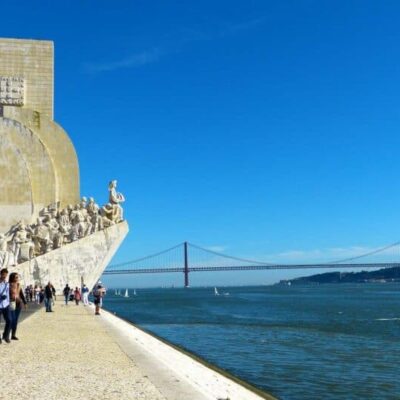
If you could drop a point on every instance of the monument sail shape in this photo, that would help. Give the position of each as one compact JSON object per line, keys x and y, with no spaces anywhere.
{"x":47,"y":232}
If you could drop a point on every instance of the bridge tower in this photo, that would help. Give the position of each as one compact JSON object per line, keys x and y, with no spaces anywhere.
{"x":186,"y":262}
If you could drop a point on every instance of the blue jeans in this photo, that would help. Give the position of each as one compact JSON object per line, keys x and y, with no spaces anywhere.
{"x":66,"y":296}
{"x":6,"y":315}
{"x":14,"y":315}
{"x":47,"y":303}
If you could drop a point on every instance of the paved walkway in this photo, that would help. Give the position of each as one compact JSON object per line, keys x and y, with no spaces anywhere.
{"x":69,"y":354}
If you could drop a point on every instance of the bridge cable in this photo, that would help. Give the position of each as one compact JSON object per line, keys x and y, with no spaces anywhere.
{"x":370,"y":253}
{"x":231,"y":257}
{"x":145,"y":258}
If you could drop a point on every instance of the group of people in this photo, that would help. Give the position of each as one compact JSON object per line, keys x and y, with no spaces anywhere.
{"x":55,"y":227}
{"x":37,"y":293}
{"x":13,"y":299}
{"x":76,"y":295}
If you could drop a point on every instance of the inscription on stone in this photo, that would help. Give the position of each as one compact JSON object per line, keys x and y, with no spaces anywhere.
{"x":12,"y":90}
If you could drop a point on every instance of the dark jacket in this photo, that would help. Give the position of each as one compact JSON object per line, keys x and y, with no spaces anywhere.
{"x":48,"y":292}
{"x":22,"y":298}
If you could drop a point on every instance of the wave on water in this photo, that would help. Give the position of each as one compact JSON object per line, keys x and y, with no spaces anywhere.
{"x":388,"y":319}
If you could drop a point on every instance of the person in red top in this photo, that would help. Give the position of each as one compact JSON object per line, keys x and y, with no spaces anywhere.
{"x":77,"y":296}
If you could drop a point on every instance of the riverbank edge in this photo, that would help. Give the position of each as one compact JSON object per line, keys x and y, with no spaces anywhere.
{"x":194,"y":357}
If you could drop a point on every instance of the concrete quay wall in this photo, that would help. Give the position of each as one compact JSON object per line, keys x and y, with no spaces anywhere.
{"x":180,"y":375}
{"x":71,"y":352}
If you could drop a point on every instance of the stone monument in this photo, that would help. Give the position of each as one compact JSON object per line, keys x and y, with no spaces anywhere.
{"x":47,"y":232}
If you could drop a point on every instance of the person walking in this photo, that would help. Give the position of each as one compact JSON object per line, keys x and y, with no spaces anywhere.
{"x":48,"y":296}
{"x":98,"y":295}
{"x":66,"y":294}
{"x":17,"y":301}
{"x":5,"y":304}
{"x":37,"y":294}
{"x":41,"y":295}
{"x":54,"y":294}
{"x":77,"y":295}
{"x":85,"y":295}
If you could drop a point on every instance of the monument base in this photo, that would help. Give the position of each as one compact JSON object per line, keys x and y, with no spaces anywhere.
{"x":82,"y":261}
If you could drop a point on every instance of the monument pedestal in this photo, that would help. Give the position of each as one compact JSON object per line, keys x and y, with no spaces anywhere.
{"x":81,"y":261}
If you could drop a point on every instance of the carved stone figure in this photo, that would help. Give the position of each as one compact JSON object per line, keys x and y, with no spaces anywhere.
{"x":65,"y":226}
{"x":115,"y":199}
{"x":41,"y":238}
{"x":107,"y":213}
{"x":83,"y":202}
{"x":95,"y":218}
{"x":78,"y":220}
{"x":22,"y":245}
{"x":56,"y":236}
{"x":6,"y":256}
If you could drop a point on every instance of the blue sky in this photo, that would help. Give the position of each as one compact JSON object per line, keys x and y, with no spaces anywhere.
{"x":264,"y":129}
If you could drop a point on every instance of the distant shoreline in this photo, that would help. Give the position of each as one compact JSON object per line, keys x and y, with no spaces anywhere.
{"x":384,"y":275}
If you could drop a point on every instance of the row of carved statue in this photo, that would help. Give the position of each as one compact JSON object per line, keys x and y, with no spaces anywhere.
{"x":55,"y":227}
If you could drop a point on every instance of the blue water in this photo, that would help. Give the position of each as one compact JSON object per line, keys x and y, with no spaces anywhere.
{"x":308,"y":342}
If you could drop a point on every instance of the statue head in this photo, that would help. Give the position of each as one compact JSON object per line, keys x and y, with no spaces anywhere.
{"x":91,"y":200}
{"x":112,"y":184}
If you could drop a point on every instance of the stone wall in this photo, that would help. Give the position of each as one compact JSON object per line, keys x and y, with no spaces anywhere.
{"x":33,"y":60}
{"x":38,"y":164}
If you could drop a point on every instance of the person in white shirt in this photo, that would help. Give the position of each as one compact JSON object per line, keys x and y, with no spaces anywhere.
{"x":85,"y":293}
{"x":5,"y":304}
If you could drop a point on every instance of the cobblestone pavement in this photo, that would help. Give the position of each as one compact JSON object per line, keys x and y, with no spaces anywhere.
{"x":67,"y":354}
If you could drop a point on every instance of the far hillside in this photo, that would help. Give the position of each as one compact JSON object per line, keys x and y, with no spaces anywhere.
{"x":381,"y":275}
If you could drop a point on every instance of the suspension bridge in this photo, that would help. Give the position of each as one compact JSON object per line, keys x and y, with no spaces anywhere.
{"x":187,"y":258}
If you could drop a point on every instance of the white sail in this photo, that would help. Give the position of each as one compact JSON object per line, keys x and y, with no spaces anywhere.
{"x":126,"y":293}
{"x":134,"y":292}
{"x":216,"y":292}
{"x":115,"y":292}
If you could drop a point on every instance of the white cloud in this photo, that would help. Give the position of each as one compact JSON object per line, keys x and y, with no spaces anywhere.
{"x":218,"y":249}
{"x":154,"y":54}
{"x":135,"y":60}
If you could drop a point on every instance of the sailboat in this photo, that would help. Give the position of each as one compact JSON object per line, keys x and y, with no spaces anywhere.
{"x":134,"y":292}
{"x":216,"y":292}
{"x":115,"y":292}
{"x":126,"y":293}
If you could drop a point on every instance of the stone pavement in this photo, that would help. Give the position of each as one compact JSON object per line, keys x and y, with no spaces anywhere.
{"x":68,"y":354}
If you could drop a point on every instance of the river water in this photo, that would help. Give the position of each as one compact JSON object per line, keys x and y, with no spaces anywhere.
{"x":300,"y":342}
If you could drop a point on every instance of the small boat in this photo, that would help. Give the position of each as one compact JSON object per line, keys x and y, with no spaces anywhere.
{"x":115,"y":292}
{"x":216,"y":292}
{"x":126,"y":293}
{"x":134,"y":292}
